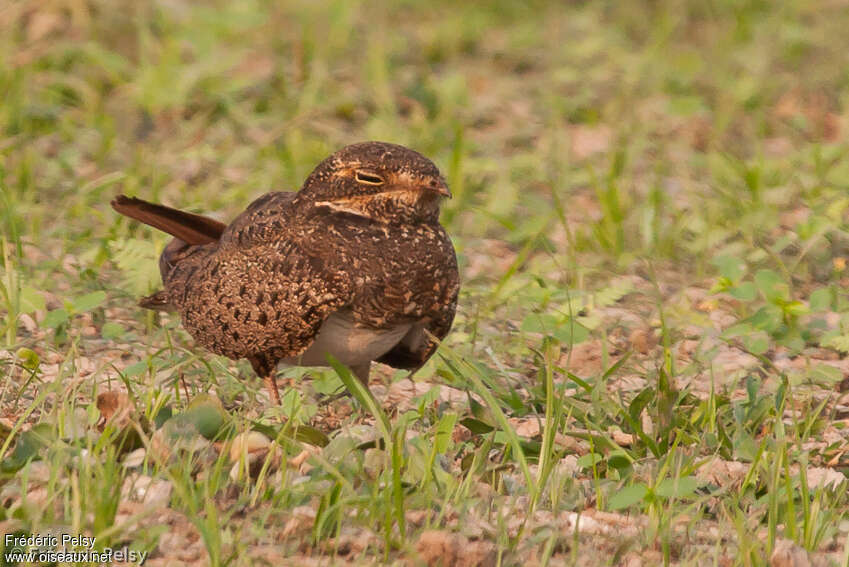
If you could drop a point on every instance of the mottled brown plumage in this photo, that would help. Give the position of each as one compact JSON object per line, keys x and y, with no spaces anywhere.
{"x":355,"y":264}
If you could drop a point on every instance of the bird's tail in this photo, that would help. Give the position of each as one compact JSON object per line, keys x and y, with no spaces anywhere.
{"x":188,"y":227}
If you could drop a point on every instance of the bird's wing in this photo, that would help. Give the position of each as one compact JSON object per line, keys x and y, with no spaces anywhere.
{"x":246,"y":288}
{"x":264,"y":296}
{"x":262,"y":222}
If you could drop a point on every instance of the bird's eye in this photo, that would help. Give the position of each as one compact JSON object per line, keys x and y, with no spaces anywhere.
{"x":369,"y":178}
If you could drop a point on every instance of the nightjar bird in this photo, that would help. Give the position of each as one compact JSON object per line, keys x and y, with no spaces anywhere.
{"x":355,"y":265}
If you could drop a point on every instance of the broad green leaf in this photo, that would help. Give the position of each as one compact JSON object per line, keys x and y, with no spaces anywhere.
{"x":722,"y":284}
{"x":28,"y":357}
{"x":793,"y":341}
{"x":88,"y":301}
{"x":136,"y":369}
{"x":476,"y":426}
{"x":481,"y":412}
{"x":303,"y":433}
{"x":753,"y":384}
{"x":566,"y":329}
{"x":620,"y":460}
{"x":206,"y":414}
{"x":768,"y":318}
{"x":771,"y":285}
{"x":181,"y":433}
{"x":293,"y":405}
{"x":746,"y":291}
{"x":820,"y":299}
{"x":795,"y":308}
{"x":112,"y":330}
{"x":729,"y":267}
{"x":340,"y":446}
{"x":540,"y":323}
{"x":757,"y":343}
{"x":327,"y":383}
{"x":27,"y":447}
{"x":680,"y":487}
{"x":311,"y":435}
{"x":163,"y":415}
{"x":627,"y":496}
{"x":590,"y":459}
{"x":783,"y":242}
{"x":571,"y":332}
{"x":737,"y":330}
{"x":837,"y":342}
{"x":31,"y":300}
{"x":825,"y":373}
{"x":55,"y":318}
{"x":745,"y":447}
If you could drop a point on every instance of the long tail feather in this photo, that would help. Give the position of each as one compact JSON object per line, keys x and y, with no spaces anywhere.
{"x":191,"y":228}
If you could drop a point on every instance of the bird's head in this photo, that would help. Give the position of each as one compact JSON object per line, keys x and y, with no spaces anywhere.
{"x":379,"y":181}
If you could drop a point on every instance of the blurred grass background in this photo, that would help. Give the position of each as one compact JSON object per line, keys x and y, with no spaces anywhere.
{"x":694,"y":108}
{"x":584,"y":142}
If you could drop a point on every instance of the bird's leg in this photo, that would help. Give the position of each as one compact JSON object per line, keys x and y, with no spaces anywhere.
{"x":265,"y":369}
{"x":271,"y":386}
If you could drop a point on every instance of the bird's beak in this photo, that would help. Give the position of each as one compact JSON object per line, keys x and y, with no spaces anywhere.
{"x":438,"y":186}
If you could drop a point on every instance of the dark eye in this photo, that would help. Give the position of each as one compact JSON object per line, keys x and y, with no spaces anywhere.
{"x":369,"y":178}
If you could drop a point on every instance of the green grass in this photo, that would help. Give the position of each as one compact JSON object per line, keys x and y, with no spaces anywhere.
{"x":650,"y":214}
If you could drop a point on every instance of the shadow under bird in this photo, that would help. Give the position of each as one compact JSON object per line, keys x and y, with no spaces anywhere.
{"x":355,"y":265}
